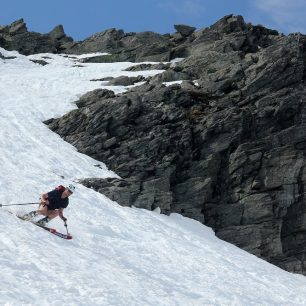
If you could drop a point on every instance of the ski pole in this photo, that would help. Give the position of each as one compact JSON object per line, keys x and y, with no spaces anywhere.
{"x":66,"y":227}
{"x":1,"y":205}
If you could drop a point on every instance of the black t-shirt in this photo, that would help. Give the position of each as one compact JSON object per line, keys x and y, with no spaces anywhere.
{"x":55,"y":200}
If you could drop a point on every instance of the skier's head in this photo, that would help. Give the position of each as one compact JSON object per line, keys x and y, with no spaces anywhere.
{"x":71,"y":188}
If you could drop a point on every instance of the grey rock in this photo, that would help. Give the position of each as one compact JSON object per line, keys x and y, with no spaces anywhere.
{"x":229,"y":24}
{"x":119,"y":190}
{"x":18,"y":27}
{"x":142,"y":67}
{"x":106,"y":41}
{"x":104,"y":79}
{"x":17,"y":37}
{"x":94,"y":96}
{"x":135,"y":47}
{"x":108,"y":58}
{"x":40,"y":62}
{"x":184,"y":30}
{"x":169,"y":76}
{"x":57,"y":33}
{"x":139,"y":67}
{"x":125,"y":81}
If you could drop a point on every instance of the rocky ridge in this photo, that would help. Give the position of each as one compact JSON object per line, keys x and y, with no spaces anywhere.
{"x":17,"y":37}
{"x":136,"y":47}
{"x":226,"y":147}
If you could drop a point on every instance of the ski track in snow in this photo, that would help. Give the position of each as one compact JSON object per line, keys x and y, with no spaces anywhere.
{"x":119,"y":255}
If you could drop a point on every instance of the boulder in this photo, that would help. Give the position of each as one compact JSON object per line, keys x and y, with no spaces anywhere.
{"x":170,"y":75}
{"x":184,"y":30}
{"x":125,"y":81}
{"x":18,"y":27}
{"x":57,"y":33}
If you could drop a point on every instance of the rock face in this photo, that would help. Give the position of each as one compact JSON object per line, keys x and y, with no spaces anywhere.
{"x":229,"y":151}
{"x":16,"y":37}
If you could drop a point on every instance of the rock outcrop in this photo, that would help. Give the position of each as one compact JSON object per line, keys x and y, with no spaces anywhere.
{"x":229,"y":151}
{"x":135,"y":47}
{"x":17,"y":37}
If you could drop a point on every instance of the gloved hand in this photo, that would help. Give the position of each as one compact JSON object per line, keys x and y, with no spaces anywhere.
{"x":44,"y":203}
{"x":64,"y":219}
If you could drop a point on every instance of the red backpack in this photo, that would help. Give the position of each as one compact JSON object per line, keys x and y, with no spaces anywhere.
{"x":60,"y":189}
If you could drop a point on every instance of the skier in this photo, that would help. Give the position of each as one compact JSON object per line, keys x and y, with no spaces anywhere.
{"x":52,"y":205}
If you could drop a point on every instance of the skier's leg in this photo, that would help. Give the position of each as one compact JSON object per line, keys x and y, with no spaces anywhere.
{"x":30,"y":215}
{"x":42,"y":210}
{"x":51,"y":214}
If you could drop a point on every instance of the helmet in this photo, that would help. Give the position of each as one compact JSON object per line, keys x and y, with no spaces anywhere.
{"x":71,"y":188}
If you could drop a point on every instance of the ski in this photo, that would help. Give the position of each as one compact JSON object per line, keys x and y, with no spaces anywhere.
{"x":49,"y":229}
{"x":54,"y":231}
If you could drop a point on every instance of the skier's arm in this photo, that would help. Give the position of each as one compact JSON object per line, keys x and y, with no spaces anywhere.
{"x":60,"y":213}
{"x":44,"y":199}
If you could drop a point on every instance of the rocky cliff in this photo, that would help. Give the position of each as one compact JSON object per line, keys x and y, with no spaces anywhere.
{"x":226,"y":147}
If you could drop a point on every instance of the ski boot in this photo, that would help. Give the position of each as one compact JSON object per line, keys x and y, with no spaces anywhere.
{"x":29,"y":216}
{"x":43,"y":221}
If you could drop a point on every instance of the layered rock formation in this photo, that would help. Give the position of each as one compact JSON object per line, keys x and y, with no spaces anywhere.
{"x":17,"y":37}
{"x":227,"y":147}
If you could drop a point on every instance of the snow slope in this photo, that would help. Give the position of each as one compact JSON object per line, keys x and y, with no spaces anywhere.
{"x":119,"y":256}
